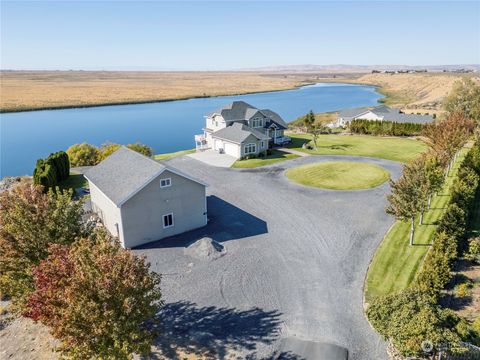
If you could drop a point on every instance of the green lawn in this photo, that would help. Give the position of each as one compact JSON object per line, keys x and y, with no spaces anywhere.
{"x":339,"y":175}
{"x":395,"y":263}
{"x":390,"y":148}
{"x":174,"y":154}
{"x":74,"y":181}
{"x":275,"y":157}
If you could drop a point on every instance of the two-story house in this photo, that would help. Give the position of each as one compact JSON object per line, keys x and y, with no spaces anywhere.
{"x":240,"y":129}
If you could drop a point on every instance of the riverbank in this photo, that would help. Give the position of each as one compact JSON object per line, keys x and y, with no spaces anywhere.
{"x":48,"y":90}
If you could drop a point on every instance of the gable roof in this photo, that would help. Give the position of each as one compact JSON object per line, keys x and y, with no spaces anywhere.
{"x":238,"y":133}
{"x":408,"y":118}
{"x":388,"y":114}
{"x":240,"y":110}
{"x":125,"y":172}
{"x":350,"y":113}
{"x":237,"y":110}
{"x":274,"y":117}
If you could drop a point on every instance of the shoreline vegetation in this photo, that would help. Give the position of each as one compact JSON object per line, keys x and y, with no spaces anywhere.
{"x":54,"y":90}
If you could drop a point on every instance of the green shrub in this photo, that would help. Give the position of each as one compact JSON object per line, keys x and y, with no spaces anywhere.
{"x":472,"y":159}
{"x":384,"y":128}
{"x":466,"y":331}
{"x":30,"y":220}
{"x":476,"y":325}
{"x":463,"y":289}
{"x":410,"y":317}
{"x":464,"y":189}
{"x":141,"y":148}
{"x":453,"y":222}
{"x":108,"y":149}
{"x":436,"y":270}
{"x":44,"y":174}
{"x":97,"y":299}
{"x":474,"y":249}
{"x":83,"y":155}
{"x":50,"y":171}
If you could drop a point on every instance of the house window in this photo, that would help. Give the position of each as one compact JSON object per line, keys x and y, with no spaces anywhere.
{"x":165,"y":182}
{"x":167,"y":220}
{"x":257,"y":122}
{"x":263,"y":144}
{"x":250,"y":149}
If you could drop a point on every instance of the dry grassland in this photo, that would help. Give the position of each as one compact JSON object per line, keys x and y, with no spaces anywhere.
{"x":422,"y":92}
{"x":25,"y":90}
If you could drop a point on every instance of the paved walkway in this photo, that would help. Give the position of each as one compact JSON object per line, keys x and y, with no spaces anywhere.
{"x":292,"y":151}
{"x":213,"y":158}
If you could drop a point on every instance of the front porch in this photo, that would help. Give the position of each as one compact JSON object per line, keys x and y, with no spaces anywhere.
{"x":201,"y":142}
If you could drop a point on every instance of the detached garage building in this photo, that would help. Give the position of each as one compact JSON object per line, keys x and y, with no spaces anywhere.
{"x":140,"y":200}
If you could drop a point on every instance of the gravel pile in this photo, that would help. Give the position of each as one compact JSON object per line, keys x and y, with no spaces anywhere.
{"x":205,"y":249}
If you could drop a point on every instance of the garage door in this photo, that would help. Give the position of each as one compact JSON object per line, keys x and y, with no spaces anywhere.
{"x":217,"y":145}
{"x":231,"y":149}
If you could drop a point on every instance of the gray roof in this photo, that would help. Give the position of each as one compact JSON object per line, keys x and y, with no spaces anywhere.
{"x":275,"y":117}
{"x":384,"y":109}
{"x":238,"y":133}
{"x":124,"y":173}
{"x":389,"y":114}
{"x":240,"y":110}
{"x":350,"y":113}
{"x":408,"y":118}
{"x":237,"y":110}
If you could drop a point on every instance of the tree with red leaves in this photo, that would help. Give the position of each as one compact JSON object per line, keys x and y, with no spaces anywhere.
{"x":97,"y":298}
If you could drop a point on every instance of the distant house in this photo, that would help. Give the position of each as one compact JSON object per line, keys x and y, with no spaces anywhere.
{"x":240,"y":129}
{"x":140,"y":200}
{"x":380,"y":113}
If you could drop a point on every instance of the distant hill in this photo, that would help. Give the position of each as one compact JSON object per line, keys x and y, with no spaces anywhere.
{"x":361,"y":68}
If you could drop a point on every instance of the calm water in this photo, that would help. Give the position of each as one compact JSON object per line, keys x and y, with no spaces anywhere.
{"x":165,"y":126}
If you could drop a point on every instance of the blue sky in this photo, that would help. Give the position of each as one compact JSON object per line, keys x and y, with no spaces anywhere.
{"x":228,"y":35}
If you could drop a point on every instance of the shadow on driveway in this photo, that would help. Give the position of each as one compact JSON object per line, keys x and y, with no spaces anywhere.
{"x":225,"y":222}
{"x":214,"y":330}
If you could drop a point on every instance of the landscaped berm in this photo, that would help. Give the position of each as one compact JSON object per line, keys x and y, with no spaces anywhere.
{"x":339,"y":175}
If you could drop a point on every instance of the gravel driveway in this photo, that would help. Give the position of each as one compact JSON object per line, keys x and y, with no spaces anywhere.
{"x":295,"y":262}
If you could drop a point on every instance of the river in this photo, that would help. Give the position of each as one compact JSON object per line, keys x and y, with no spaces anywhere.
{"x":165,"y":126}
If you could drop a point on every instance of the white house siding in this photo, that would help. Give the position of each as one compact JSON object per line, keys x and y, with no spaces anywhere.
{"x":106,"y":210}
{"x":142,"y":215}
{"x":216,"y":122}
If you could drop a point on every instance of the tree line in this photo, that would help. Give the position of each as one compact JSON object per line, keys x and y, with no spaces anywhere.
{"x":414,"y":315}
{"x":390,"y":128}
{"x":88,"y":155}
{"x":422,"y":177}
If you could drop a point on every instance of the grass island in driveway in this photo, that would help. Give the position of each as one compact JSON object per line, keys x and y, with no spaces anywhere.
{"x":339,"y":175}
